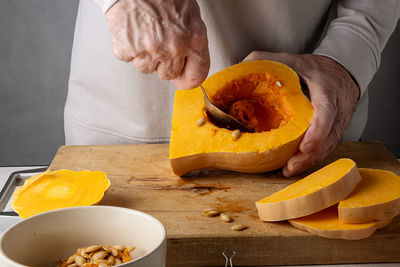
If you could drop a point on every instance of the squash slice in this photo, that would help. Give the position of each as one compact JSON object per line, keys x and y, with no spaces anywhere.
{"x":59,"y":189}
{"x":326,"y":224}
{"x":377,"y":197}
{"x":311,"y":194}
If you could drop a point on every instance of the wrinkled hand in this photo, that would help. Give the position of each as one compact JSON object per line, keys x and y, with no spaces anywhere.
{"x":334,"y":96}
{"x":166,"y":36}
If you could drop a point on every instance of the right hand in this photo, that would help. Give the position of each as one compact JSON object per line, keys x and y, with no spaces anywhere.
{"x":166,"y":36}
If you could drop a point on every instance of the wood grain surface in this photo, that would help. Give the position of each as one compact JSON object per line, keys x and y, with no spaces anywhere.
{"x":141,"y":179}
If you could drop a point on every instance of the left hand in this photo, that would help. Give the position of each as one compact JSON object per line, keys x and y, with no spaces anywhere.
{"x":334,"y":96}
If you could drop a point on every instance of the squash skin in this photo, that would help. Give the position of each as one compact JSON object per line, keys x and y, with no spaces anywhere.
{"x":376,"y":212}
{"x":313,"y":202}
{"x":252,"y":152}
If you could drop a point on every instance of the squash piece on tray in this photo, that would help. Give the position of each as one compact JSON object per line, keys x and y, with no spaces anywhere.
{"x":59,"y":189}
{"x":264,"y":95}
{"x":311,"y":194}
{"x":377,"y":197}
{"x":326,"y":224}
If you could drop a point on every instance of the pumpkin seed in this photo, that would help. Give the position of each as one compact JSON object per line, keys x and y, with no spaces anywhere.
{"x":117,"y":261}
{"x":71,"y":260}
{"x":79,"y":260}
{"x":119,"y":247}
{"x":238,"y":227}
{"x":278,"y":83}
{"x":98,"y":255}
{"x":130,"y":249}
{"x":92,"y":248}
{"x":114,"y":252}
{"x":200,"y":122}
{"x":212,"y":212}
{"x":72,"y":265}
{"x":236,"y":134}
{"x":225,"y":217}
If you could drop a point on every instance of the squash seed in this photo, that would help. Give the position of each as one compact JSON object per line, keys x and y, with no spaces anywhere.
{"x":114,"y":252}
{"x":79,"y":260}
{"x":72,"y":265}
{"x":92,"y":248}
{"x":71,"y":260}
{"x":200,"y":122}
{"x":236,"y":134}
{"x":98,"y":255}
{"x":212,"y":212}
{"x":278,"y":83}
{"x":225,"y":217}
{"x":119,"y":247}
{"x":238,"y":227}
{"x":117,"y":261}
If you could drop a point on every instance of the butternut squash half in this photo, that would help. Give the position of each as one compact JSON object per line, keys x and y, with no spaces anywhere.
{"x":311,"y":194}
{"x":377,"y":197}
{"x":59,"y":189}
{"x":264,"y":95}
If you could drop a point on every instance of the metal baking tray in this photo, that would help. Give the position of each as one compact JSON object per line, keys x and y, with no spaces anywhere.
{"x":15,"y":180}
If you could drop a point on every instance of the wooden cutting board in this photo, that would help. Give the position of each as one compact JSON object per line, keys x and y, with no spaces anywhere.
{"x":141,"y":178}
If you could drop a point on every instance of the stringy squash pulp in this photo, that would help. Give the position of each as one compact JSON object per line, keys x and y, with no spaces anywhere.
{"x":265,"y":95}
{"x":59,"y":189}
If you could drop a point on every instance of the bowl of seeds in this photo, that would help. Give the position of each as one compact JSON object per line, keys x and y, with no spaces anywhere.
{"x":93,"y":236}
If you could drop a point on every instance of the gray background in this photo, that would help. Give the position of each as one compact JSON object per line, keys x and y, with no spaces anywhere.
{"x":35,"y":46}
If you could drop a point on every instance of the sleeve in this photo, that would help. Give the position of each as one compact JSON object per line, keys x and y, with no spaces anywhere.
{"x":357,"y":36}
{"x":105,"y":4}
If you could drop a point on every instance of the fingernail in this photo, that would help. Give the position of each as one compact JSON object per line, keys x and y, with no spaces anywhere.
{"x":285,"y":172}
{"x":308,"y":147}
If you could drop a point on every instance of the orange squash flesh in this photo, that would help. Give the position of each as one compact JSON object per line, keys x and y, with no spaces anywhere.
{"x":377,"y":197}
{"x":311,"y":194}
{"x":59,"y":189}
{"x":326,"y":224}
{"x":265,"y":95}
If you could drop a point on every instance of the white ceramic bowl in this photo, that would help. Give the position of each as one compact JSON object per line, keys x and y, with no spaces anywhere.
{"x":41,"y":240}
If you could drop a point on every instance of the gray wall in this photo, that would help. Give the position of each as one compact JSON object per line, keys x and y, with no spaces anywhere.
{"x":35,"y":45}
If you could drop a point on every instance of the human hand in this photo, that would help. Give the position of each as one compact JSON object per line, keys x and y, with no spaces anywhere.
{"x":334,"y":96}
{"x":166,"y":36}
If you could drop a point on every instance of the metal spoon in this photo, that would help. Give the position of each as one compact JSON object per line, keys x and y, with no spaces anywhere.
{"x":223,"y":117}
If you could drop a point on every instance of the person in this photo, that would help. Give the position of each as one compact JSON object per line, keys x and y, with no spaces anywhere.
{"x":129,"y":56}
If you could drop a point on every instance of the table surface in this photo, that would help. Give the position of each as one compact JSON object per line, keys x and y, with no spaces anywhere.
{"x":8,"y":221}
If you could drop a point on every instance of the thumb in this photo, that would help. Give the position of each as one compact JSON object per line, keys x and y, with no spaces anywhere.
{"x":195,"y":70}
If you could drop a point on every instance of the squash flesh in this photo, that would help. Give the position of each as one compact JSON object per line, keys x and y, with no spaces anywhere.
{"x":255,"y":100}
{"x":59,"y":189}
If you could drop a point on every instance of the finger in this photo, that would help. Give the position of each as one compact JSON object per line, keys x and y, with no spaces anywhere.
{"x":171,"y":68}
{"x":123,"y":54}
{"x":145,"y":64}
{"x":195,"y":70}
{"x":325,"y":111}
{"x":302,"y":161}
